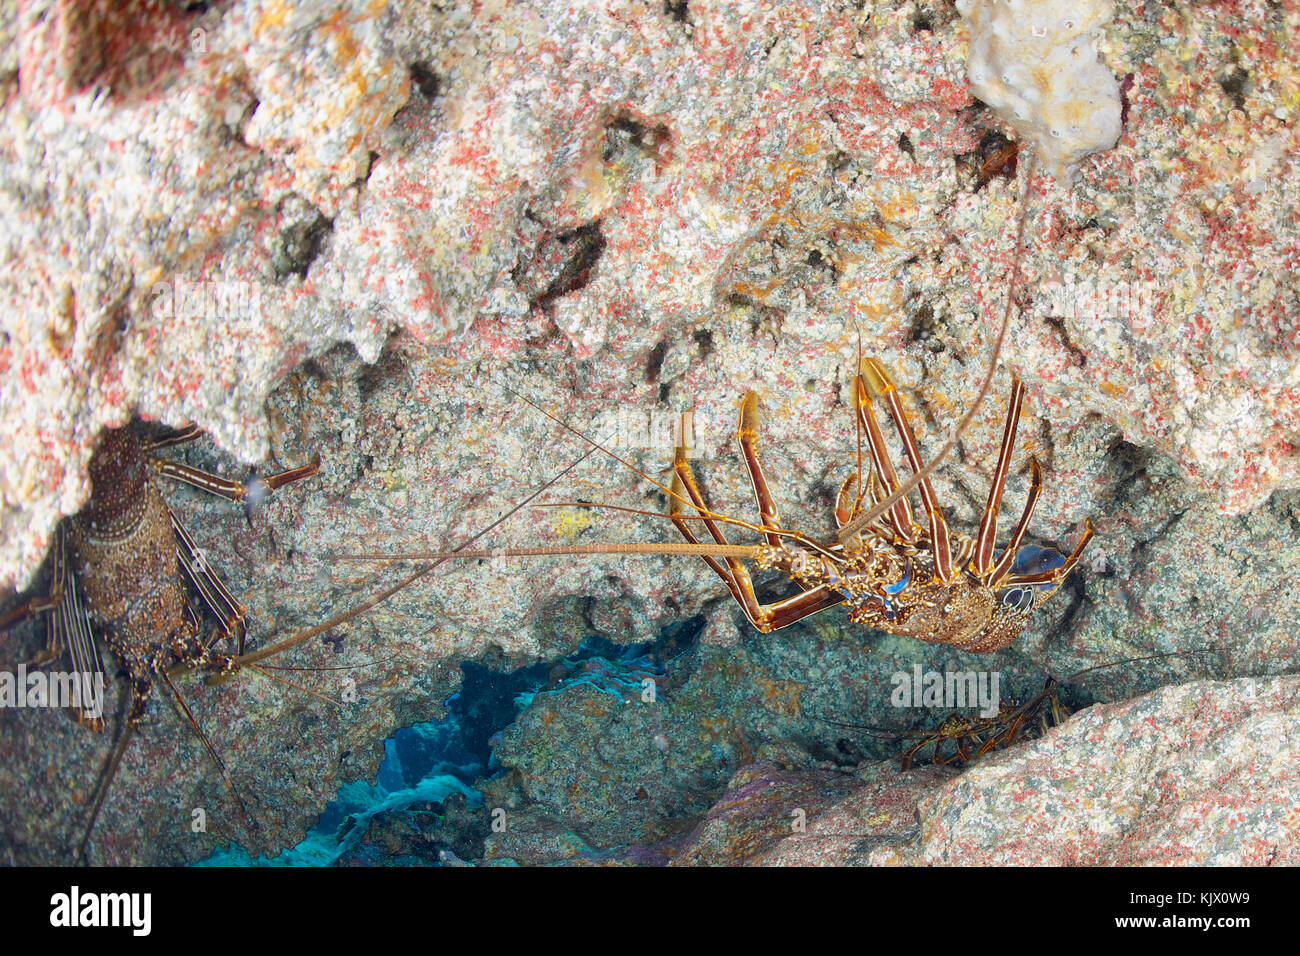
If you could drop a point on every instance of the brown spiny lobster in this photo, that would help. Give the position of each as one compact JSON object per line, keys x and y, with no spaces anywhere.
{"x":120,"y":571}
{"x":972,"y":736}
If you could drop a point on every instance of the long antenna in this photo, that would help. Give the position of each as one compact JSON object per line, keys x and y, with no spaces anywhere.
{"x":294,"y":640}
{"x":701,"y":511}
{"x":750,"y":551}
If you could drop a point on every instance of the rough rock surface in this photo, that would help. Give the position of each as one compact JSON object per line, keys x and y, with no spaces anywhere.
{"x":1199,"y":773}
{"x":621,"y":213}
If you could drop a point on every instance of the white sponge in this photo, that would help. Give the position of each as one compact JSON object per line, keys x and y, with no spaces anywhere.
{"x":1035,"y":63}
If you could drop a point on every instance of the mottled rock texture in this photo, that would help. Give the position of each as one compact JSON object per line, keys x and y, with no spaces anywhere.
{"x":1198,"y":773}
{"x":620,"y":210}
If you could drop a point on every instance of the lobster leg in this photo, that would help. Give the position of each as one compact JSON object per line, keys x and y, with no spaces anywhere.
{"x":67,"y":628}
{"x":228,"y":488}
{"x":900,"y":515}
{"x":747,"y":436}
{"x":982,"y":566}
{"x":34,"y":606}
{"x":764,"y":617}
{"x":28,"y":609}
{"x":683,"y":486}
{"x":847,"y":503}
{"x":212,"y":591}
{"x":1009,"y":556}
{"x":177,"y":436}
{"x":873,"y":380}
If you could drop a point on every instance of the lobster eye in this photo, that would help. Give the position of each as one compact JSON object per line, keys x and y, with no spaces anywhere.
{"x":1018,"y":600}
{"x":1031,"y":559}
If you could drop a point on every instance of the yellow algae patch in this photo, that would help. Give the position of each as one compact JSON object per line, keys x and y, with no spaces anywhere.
{"x":570,"y":522}
{"x":274,"y":15}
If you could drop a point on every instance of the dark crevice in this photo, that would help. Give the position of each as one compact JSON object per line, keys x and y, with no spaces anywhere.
{"x":994,"y":157}
{"x":628,"y":137}
{"x":1236,"y":84}
{"x":1142,"y":546}
{"x":655,"y":362}
{"x":905,"y":144}
{"x":1131,"y":463}
{"x":244,"y":119}
{"x":586,"y":244}
{"x":1075,"y":586}
{"x":923,"y":329}
{"x":760,"y":314}
{"x":1125,"y":87}
{"x":822,"y":265}
{"x":704,"y":342}
{"x":389,"y":366}
{"x":425,"y":80}
{"x":299,"y":245}
{"x":930,"y":17}
{"x":1058,"y":324}
{"x":564,"y":262}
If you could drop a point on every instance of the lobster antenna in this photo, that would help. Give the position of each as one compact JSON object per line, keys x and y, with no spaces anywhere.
{"x":867,"y":517}
{"x":1133,"y":660}
{"x":265,"y":671}
{"x":207,"y":744}
{"x":110,"y":771}
{"x":293,"y":640}
{"x":597,"y":446}
{"x":857,"y":427}
{"x":751,"y":551}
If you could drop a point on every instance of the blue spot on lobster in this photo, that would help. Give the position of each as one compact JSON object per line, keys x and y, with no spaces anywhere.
{"x":1031,"y":559}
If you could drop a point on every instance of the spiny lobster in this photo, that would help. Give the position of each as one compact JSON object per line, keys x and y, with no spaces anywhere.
{"x":973,"y":735}
{"x":120,"y":570}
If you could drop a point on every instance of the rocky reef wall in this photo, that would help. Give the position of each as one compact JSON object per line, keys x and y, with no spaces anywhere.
{"x":346,"y":228}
